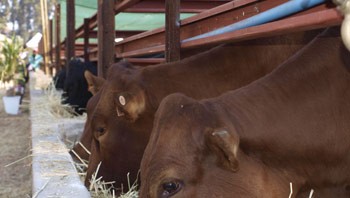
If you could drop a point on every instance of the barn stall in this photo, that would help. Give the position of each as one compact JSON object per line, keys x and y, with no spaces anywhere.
{"x":86,"y":28}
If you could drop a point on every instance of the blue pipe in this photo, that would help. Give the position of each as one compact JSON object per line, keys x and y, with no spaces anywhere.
{"x":275,"y":13}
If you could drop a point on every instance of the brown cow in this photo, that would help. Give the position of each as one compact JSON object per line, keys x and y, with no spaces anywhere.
{"x":123,"y":118}
{"x":290,"y":126}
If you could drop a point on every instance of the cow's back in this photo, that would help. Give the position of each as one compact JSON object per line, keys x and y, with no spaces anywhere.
{"x":223,"y":68}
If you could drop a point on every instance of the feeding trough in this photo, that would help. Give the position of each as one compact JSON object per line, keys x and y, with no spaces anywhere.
{"x":54,"y":173}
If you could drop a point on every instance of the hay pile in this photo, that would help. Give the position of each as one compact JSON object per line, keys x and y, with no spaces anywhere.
{"x":98,"y":187}
{"x":102,"y":189}
{"x":51,"y":104}
{"x":50,"y":107}
{"x":41,"y":80}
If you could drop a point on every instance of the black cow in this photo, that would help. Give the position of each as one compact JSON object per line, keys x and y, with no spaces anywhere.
{"x":75,"y":86}
{"x":59,"y":79}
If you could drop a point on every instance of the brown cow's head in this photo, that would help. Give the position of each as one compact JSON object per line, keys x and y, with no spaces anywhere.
{"x":194,"y":152}
{"x":118,"y":124}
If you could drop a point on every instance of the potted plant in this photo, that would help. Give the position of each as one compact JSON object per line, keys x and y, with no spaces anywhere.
{"x":12,"y":71}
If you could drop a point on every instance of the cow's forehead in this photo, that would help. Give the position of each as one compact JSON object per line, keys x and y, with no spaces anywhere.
{"x":180,"y":126}
{"x":113,"y":86}
{"x":120,"y":82}
{"x":183,"y":112}
{"x":112,"y":89}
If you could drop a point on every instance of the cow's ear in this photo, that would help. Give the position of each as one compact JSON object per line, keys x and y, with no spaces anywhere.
{"x":225,"y":144}
{"x":94,"y":83}
{"x":133,"y":104}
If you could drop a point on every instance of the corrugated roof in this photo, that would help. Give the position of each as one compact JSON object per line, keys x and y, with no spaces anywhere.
{"x":123,"y":21}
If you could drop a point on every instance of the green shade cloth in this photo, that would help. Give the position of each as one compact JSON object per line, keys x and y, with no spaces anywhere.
{"x":123,"y":21}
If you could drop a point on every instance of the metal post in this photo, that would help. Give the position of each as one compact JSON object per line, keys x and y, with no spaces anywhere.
{"x":86,"y":39}
{"x":51,"y":46}
{"x":106,"y":35}
{"x":172,"y":30}
{"x":70,"y":39}
{"x":58,"y":37}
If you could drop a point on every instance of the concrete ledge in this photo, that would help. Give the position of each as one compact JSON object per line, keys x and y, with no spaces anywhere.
{"x":54,"y":174}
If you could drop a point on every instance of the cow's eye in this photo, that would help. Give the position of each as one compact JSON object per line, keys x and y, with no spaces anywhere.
{"x":100,"y":130}
{"x":170,"y":188}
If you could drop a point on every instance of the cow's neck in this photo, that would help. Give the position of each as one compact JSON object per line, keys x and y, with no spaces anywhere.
{"x":222,"y":68}
{"x":297,"y":116}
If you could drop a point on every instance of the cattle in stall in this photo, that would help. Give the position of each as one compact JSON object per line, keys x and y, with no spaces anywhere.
{"x":75,"y":89}
{"x":59,"y":79}
{"x":291,"y":126}
{"x":122,"y":119}
{"x":94,"y":85}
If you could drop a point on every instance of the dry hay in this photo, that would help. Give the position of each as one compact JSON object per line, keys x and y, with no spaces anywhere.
{"x":291,"y":191}
{"x":99,"y":188}
{"x":41,"y":80}
{"x":102,"y":189}
{"x":50,"y":105}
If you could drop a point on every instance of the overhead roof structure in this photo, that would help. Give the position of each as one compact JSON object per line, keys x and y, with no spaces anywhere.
{"x":123,"y":21}
{"x":142,"y":25}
